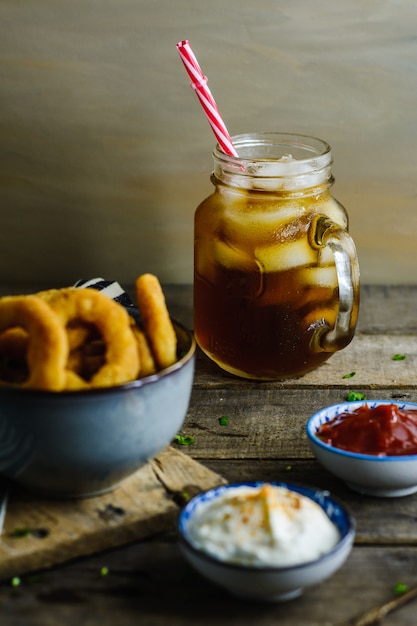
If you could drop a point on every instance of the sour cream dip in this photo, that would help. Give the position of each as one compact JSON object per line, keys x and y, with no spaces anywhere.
{"x":262,"y":526}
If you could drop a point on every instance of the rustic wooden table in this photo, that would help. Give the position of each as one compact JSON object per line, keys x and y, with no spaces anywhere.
{"x":148,"y":582}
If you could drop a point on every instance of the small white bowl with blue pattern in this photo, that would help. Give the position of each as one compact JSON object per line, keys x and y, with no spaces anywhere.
{"x":381,"y":476}
{"x":268,"y":583}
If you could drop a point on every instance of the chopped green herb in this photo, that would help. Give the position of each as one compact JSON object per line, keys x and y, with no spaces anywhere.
{"x":398,"y":357}
{"x":350,"y":375}
{"x":17,"y":533}
{"x":15,"y":581}
{"x":182,"y":497}
{"x":104,"y":571}
{"x":223,"y":420}
{"x":38,"y":533}
{"x":400,"y":588}
{"x":184,"y":440}
{"x":288,"y":468}
{"x":355,"y":395}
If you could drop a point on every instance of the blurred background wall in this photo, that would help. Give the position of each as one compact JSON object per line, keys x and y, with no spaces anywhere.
{"x":105,"y":152}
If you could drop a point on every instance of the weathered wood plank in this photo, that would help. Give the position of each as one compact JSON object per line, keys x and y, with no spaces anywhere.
{"x":61,"y":530}
{"x":369,"y":356}
{"x":263,"y":422}
{"x":264,"y":439}
{"x":388,"y":309}
{"x":151,"y":582}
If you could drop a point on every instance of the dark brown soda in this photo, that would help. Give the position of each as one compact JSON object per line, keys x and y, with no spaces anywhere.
{"x":260,"y":325}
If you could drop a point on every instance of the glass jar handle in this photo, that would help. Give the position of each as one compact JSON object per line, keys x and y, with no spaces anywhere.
{"x":328,"y":233}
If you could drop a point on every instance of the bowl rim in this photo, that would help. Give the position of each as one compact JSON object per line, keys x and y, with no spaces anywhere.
{"x":134,"y":384}
{"x":346,"y":538}
{"x":311,"y":431}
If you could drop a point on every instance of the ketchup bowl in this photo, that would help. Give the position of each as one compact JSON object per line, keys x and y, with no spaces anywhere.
{"x":370,"y":444}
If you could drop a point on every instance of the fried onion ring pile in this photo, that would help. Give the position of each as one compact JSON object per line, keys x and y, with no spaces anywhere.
{"x":79,"y":338}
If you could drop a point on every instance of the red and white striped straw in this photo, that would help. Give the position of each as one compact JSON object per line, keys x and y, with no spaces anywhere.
{"x":200,"y":86}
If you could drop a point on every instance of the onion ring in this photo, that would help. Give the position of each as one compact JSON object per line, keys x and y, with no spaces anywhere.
{"x":121,"y":358}
{"x":13,"y":348}
{"x":147,"y":362}
{"x":47,"y":349}
{"x":156,"y":320}
{"x":78,"y":332}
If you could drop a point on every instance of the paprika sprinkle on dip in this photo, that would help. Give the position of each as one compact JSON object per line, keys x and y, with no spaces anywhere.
{"x":382,"y":430}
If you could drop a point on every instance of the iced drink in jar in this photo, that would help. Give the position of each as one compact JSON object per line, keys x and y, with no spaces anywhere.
{"x":276,"y":277}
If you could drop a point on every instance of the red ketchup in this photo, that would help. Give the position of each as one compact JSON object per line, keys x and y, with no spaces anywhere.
{"x":385,"y":430}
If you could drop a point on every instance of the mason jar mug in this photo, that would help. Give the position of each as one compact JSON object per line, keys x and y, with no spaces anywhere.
{"x":276,"y":274}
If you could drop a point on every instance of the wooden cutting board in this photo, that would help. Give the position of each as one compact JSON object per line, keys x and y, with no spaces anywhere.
{"x":39,"y":533}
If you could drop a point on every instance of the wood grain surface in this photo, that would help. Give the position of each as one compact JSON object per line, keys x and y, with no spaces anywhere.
{"x":148,"y":580}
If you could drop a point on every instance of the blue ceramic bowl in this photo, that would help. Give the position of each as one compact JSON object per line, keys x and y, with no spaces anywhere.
{"x":262,"y":583}
{"x":389,"y":476}
{"x":83,"y":443}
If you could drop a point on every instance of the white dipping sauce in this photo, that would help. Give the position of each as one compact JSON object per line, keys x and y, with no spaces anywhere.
{"x":262,"y":526}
